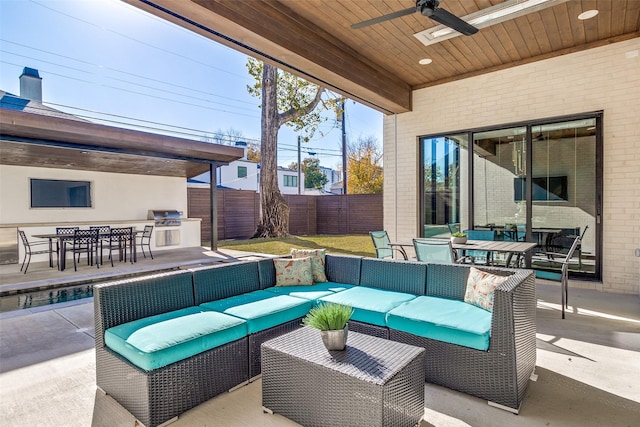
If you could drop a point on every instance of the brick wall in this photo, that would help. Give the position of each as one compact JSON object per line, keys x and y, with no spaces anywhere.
{"x":605,"y":78}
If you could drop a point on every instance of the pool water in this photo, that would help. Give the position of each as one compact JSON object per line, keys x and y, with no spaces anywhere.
{"x":38,"y":298}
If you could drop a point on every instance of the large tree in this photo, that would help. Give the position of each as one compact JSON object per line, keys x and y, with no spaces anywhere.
{"x":286,"y":100}
{"x":313,"y":175}
{"x":364,"y":167}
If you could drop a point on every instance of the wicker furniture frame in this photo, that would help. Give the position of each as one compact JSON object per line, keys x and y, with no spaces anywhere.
{"x":373,"y":382}
{"x":157,"y":396}
{"x":499,"y":375}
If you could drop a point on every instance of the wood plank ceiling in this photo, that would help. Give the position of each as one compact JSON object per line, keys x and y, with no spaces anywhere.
{"x":378,"y":64}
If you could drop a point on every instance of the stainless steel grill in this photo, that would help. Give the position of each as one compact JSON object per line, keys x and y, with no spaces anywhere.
{"x":165,"y":218}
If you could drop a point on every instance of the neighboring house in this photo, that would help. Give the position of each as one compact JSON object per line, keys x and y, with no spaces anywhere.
{"x":334,"y":178}
{"x":243,"y":174}
{"x":101,"y":175}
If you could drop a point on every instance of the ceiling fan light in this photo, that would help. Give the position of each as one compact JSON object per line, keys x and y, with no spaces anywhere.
{"x":588,"y":14}
{"x":510,"y":9}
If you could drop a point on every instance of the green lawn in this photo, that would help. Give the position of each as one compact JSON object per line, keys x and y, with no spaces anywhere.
{"x":344,"y":244}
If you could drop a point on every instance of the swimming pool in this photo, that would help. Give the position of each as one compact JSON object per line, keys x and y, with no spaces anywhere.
{"x":42,"y":297}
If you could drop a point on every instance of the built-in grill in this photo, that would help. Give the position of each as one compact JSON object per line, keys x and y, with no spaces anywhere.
{"x":165,"y":218}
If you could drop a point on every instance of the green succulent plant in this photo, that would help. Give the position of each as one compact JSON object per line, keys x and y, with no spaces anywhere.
{"x":328,"y":316}
{"x":458,"y":234}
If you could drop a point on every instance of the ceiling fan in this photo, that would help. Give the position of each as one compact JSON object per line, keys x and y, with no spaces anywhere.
{"x":430,"y":9}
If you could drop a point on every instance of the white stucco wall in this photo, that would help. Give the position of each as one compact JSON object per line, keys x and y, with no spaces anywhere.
{"x":118,"y":199}
{"x":605,"y":78}
{"x":114,"y":196}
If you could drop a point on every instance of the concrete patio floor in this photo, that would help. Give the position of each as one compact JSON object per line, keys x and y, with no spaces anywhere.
{"x":588,"y":368}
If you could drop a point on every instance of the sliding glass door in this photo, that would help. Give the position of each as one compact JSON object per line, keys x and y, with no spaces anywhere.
{"x":443,"y":187}
{"x":539,"y":181}
{"x":564,"y":196}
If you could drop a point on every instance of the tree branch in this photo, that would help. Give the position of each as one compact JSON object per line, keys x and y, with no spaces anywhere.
{"x":293,"y":113}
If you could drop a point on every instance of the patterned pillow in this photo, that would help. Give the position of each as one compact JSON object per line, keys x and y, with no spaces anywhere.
{"x":317,"y":261}
{"x":293,"y":272}
{"x":480,"y":287}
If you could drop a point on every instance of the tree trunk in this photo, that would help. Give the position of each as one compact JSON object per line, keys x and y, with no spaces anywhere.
{"x":274,"y":218}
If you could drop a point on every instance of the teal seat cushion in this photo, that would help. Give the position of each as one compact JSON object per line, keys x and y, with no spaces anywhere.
{"x":369,"y":305}
{"x":160,"y":340}
{"x":261,"y":309}
{"x":442,"y":319}
{"x":312,"y":292}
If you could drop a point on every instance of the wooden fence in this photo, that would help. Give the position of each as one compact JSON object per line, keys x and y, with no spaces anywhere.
{"x":239,"y":213}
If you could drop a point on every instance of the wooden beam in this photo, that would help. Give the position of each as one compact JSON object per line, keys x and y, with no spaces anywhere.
{"x":270,"y":31}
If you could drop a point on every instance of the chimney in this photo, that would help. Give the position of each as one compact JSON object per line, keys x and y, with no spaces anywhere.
{"x":243,"y":145}
{"x":31,"y":84}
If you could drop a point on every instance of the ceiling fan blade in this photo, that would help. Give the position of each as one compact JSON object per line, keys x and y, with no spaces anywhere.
{"x":383,"y":18}
{"x":444,"y":17}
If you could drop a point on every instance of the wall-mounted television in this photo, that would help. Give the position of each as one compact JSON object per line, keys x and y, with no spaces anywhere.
{"x":547,"y":188}
{"x":52,"y":193}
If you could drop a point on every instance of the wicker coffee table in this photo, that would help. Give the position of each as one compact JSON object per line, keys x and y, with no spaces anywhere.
{"x":373,"y":382}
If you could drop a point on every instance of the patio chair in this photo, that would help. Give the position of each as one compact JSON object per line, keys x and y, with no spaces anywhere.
{"x":481,"y":257}
{"x":563,"y":260}
{"x":104,"y":232}
{"x":119,"y":239}
{"x":84,"y":241}
{"x":145,"y":239}
{"x":62,"y":232}
{"x":384,"y":247}
{"x":32,"y":248}
{"x":454,"y":227}
{"x":437,"y":251}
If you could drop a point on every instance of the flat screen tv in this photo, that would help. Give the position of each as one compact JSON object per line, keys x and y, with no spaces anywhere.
{"x":52,"y":193}
{"x":552,"y":188}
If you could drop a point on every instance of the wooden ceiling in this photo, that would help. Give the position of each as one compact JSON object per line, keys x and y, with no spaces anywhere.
{"x":378,"y":65}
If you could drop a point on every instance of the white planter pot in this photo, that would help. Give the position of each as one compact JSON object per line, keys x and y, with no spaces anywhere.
{"x":458,"y":240}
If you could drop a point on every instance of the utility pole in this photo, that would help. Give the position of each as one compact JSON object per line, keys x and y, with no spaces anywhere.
{"x":299,"y":166}
{"x":344,"y":152}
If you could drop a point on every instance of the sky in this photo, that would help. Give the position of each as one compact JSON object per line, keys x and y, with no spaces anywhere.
{"x":107,"y":60}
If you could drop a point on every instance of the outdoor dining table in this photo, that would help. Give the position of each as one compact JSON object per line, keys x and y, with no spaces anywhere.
{"x":62,"y":238}
{"x":519,"y":249}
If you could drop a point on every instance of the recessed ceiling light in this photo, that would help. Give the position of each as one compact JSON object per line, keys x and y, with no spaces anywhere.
{"x":588,"y":14}
{"x":425,"y":61}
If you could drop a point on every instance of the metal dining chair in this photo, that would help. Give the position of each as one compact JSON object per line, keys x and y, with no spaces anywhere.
{"x":145,"y":239}
{"x":481,"y":257}
{"x":383,"y":246}
{"x":104,"y":232}
{"x":63,"y":232}
{"x":437,"y":251}
{"x":32,"y":248}
{"x":85,"y":241}
{"x":120,"y":239}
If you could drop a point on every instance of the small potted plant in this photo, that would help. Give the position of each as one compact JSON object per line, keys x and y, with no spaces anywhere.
{"x":458,"y":238}
{"x":331,"y":319}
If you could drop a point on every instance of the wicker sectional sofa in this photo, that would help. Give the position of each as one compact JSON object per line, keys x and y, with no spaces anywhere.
{"x":167,"y":342}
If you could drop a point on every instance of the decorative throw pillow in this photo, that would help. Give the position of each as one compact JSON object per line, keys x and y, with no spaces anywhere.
{"x":317,"y":262}
{"x":293,"y":272}
{"x":480,"y":288}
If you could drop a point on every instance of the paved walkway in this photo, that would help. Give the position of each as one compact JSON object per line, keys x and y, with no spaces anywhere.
{"x":587,"y":365}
